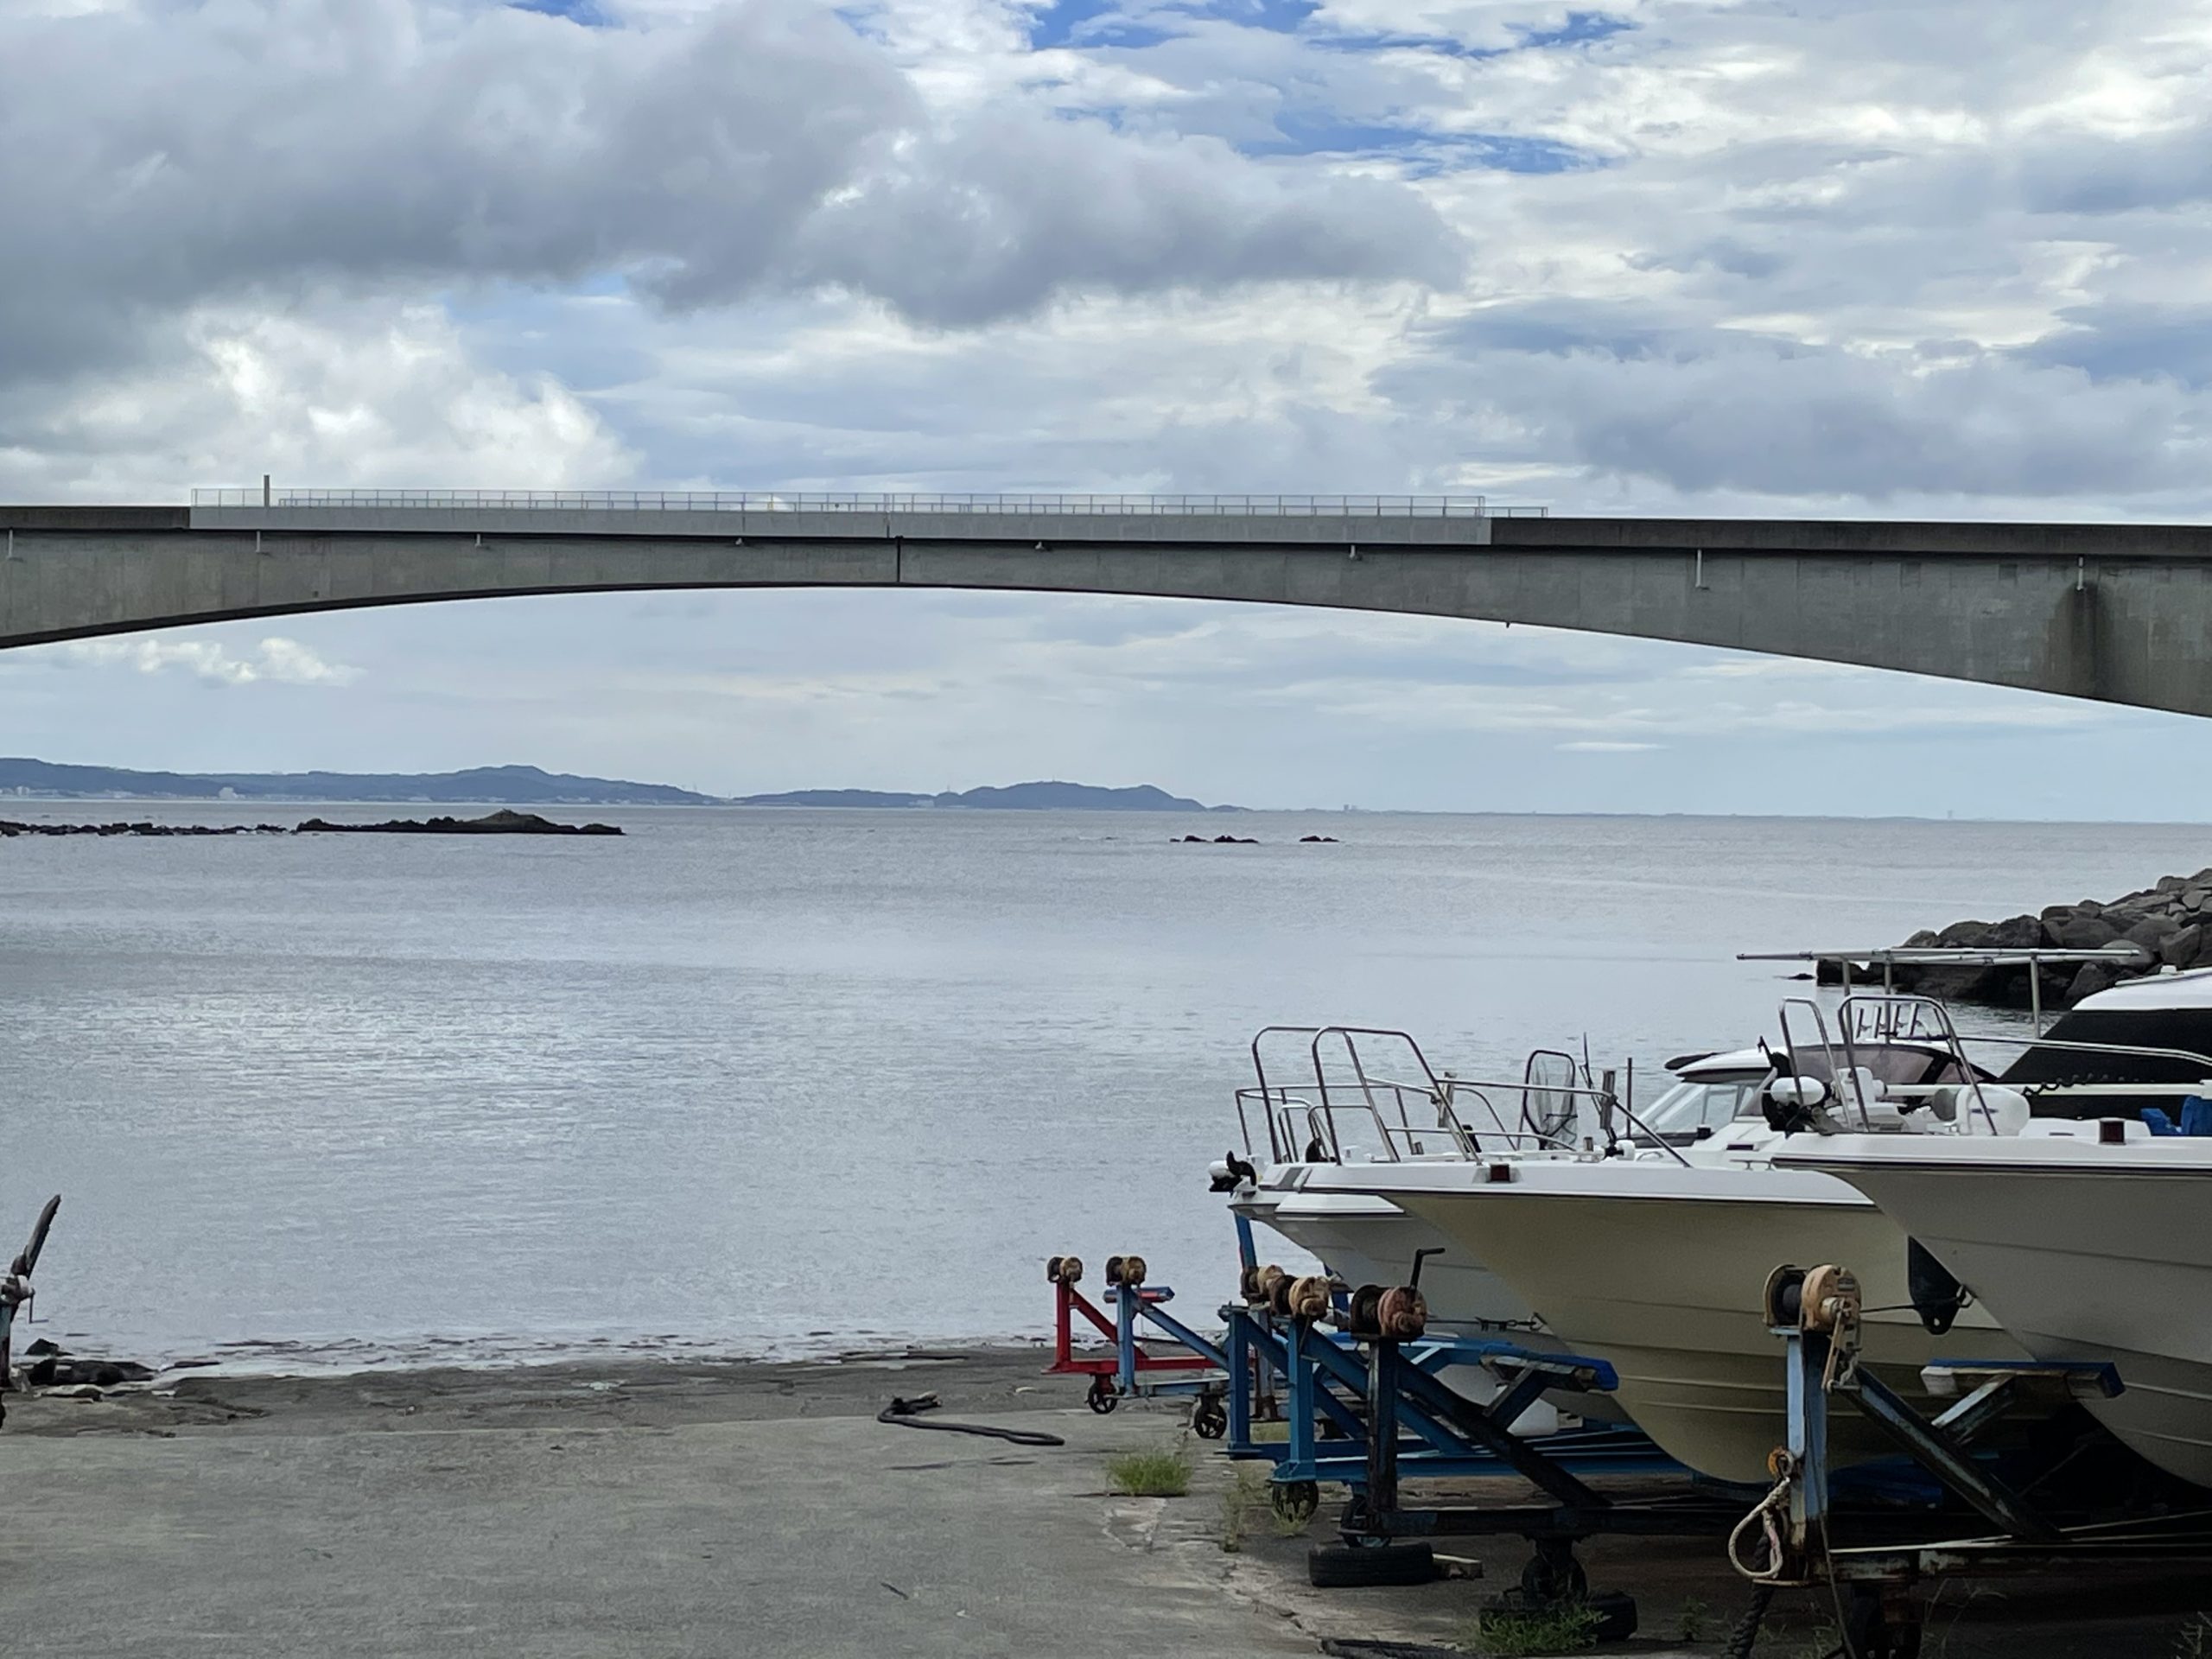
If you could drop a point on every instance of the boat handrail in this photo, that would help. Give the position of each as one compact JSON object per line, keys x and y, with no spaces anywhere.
{"x":2041,"y":1089}
{"x":1354,"y":1084}
{"x":1886,"y":1030}
{"x":1366,"y":1085}
{"x":1643,"y":1131}
{"x":1890,"y":958}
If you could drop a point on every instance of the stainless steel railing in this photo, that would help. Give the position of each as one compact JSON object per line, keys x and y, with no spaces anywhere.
{"x":1283,"y":507}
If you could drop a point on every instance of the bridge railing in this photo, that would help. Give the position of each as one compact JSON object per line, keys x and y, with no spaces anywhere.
{"x":1287,"y":507}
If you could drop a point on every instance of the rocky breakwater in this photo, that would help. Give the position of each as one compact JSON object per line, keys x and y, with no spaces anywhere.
{"x":15,"y":827}
{"x":2168,"y":924}
{"x":502,"y":822}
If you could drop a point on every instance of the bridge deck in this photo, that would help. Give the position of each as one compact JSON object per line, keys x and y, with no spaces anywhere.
{"x":2120,"y":613}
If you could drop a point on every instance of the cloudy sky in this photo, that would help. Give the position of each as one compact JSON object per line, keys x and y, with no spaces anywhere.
{"x":1667,"y":255}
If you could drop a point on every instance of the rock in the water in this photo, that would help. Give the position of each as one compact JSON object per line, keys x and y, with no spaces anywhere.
{"x":504,"y":822}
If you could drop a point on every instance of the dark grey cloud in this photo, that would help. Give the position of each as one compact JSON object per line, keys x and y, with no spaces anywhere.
{"x":1628,"y":391}
{"x":2103,"y":175}
{"x":2131,"y":340}
{"x":157,"y":155}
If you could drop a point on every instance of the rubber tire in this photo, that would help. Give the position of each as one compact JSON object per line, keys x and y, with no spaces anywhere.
{"x":1210,"y":1419}
{"x":1349,"y":1567}
{"x":1102,"y":1399}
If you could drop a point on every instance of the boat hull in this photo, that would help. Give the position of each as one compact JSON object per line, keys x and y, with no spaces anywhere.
{"x":1662,"y":1272}
{"x":2085,"y":1252}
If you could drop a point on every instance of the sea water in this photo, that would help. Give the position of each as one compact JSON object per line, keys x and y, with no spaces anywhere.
{"x":764,"y":1081}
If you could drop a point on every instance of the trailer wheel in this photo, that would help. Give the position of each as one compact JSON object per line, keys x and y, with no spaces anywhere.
{"x":1553,"y":1576}
{"x":1295,"y":1501}
{"x":1346,"y":1567}
{"x":1208,"y":1418}
{"x":1102,"y":1398}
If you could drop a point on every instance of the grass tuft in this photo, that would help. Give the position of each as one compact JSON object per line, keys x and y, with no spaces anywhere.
{"x":2195,"y":1641}
{"x":1501,"y":1634}
{"x":1695,"y":1620}
{"x":1150,"y":1474}
{"x":1237,"y":1501}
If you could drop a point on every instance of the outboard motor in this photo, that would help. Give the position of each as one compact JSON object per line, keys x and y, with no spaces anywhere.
{"x":1230,"y":1173}
{"x":1792,"y":1104}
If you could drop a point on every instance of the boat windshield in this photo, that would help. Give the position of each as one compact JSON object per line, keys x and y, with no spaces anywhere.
{"x":1705,"y":1103}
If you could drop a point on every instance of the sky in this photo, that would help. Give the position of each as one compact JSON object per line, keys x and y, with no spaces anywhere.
{"x":1704,"y":257}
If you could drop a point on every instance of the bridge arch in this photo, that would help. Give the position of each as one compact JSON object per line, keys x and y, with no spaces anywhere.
{"x":2118,"y":613}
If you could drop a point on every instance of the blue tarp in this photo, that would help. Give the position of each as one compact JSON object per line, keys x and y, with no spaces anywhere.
{"x":2195,"y":1117}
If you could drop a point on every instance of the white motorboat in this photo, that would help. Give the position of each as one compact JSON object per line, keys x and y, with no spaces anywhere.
{"x":1365,"y":1097}
{"x":2085,"y":1249}
{"x":1340,"y":1099}
{"x":1653,"y":1253}
{"x":1317,"y":1204}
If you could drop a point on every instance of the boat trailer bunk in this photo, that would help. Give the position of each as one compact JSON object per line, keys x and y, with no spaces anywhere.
{"x":1794,"y":1531}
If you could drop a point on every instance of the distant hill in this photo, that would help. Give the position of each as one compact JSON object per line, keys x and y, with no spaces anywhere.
{"x":505,"y":785}
{"x":1030,"y":797}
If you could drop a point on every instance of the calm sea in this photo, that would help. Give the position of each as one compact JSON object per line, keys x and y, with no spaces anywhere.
{"x":775,"y":1081}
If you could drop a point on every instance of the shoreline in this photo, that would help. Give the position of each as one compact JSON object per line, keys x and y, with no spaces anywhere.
{"x":639,"y":1389}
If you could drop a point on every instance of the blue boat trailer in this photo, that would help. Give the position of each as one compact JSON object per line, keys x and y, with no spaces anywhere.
{"x":1790,"y":1538}
{"x":1365,"y":1411}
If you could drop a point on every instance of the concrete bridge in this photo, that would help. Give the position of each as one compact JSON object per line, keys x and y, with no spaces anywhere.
{"x":2120,"y":613}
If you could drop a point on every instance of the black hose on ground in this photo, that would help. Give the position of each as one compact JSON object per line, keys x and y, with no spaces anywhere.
{"x":906,"y":1413}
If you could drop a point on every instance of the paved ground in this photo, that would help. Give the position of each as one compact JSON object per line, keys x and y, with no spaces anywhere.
{"x":679,"y":1509}
{"x":561,"y":1512}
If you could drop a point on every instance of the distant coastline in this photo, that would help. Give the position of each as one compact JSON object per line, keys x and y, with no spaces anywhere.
{"x":29,"y":779}
{"x":1049,"y":797}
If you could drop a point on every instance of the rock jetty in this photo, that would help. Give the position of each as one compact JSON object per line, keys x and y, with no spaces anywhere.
{"x":2169,"y":923}
{"x":11,"y":827}
{"x":502,"y":822}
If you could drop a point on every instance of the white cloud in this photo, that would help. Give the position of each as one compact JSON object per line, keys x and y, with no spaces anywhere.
{"x":277,"y":660}
{"x":154,"y":158}
{"x":311,"y":396}
{"x":1739,"y":257}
